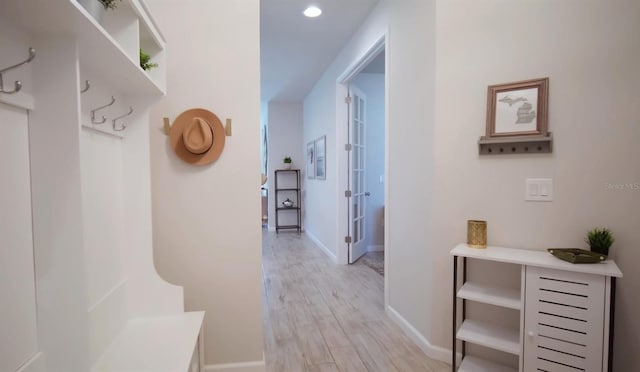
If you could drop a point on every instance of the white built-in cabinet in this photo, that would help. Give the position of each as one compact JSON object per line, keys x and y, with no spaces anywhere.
{"x":565,"y":312}
{"x":77,"y":279}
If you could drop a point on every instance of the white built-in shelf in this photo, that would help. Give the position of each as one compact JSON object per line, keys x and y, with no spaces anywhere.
{"x":475,"y":364}
{"x":490,"y":335}
{"x":539,"y":258}
{"x":163,"y":343}
{"x":99,"y":52}
{"x":148,"y":27}
{"x":509,"y":298}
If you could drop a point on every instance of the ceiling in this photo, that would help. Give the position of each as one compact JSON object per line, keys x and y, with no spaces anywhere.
{"x":296,"y":50}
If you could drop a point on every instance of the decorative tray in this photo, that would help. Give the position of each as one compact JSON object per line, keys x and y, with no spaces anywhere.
{"x":575,"y":255}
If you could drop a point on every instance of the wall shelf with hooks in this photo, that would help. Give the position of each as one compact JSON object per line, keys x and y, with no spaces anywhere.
{"x":515,"y":145}
{"x":99,"y":50}
{"x":95,"y":291}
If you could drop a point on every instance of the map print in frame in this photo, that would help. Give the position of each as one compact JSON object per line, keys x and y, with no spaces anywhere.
{"x":517,"y":109}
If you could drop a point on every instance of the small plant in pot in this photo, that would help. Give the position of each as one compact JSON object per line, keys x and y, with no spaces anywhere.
{"x":287,"y":162}
{"x":110,"y":4}
{"x":599,"y":240}
{"x":98,"y":8}
{"x":145,"y":61}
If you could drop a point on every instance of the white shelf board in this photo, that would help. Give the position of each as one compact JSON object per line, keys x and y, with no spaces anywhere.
{"x":509,"y":298}
{"x":490,"y":335}
{"x":164,"y":343}
{"x":535,"y":258}
{"x":147,"y":23}
{"x":475,"y":364}
{"x":98,"y":51}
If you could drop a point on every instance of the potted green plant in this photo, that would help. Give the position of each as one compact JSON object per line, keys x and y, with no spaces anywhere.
{"x":109,"y":4}
{"x":287,"y":162}
{"x":599,"y":240}
{"x":145,"y":61}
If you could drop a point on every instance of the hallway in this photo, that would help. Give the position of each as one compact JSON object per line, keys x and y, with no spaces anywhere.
{"x":319,"y":316}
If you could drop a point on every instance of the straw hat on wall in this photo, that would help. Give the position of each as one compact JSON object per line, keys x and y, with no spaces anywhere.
{"x":197,"y":136}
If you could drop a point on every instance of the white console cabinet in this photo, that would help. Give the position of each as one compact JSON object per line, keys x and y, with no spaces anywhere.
{"x":566,"y":312}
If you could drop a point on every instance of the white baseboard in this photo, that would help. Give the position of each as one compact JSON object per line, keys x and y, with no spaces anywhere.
{"x":322,"y":247}
{"x":375,"y":248}
{"x":432,"y":351}
{"x":258,"y":366}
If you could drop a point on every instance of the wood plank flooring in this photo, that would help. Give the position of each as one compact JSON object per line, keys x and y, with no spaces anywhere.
{"x":322,"y":317}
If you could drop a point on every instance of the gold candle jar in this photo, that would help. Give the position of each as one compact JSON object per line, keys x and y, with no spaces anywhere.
{"x":477,"y":233}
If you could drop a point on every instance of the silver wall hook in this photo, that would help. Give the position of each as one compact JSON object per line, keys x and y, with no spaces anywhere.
{"x":93,"y":112}
{"x":18,"y":83}
{"x":122,"y":126}
{"x":87,"y":85}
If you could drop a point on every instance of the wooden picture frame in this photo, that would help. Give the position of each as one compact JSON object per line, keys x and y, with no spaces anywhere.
{"x":320,"y":160}
{"x":311,"y":160}
{"x":518,"y":109}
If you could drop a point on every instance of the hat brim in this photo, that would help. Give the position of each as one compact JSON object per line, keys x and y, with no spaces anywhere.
{"x":180,"y":123}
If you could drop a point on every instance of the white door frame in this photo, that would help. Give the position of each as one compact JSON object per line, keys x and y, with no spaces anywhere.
{"x":342,"y":89}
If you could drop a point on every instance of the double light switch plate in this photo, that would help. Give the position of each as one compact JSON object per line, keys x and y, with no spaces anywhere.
{"x":539,"y":189}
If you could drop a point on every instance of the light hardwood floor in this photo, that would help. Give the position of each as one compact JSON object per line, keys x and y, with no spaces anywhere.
{"x":323,"y":317}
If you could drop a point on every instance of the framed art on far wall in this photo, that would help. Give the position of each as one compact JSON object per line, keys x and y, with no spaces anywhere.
{"x":321,"y":163}
{"x":518,"y":109}
{"x":311,"y":160}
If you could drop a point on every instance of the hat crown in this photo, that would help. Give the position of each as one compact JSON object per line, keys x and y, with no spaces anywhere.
{"x":197,"y":136}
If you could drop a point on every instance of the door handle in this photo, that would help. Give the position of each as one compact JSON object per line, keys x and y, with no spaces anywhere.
{"x":367,"y":193}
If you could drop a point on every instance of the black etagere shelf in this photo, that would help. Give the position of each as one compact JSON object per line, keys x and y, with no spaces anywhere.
{"x":287,"y":186}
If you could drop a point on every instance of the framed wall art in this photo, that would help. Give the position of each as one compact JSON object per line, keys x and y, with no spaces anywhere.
{"x":311,"y":160}
{"x":321,"y":163}
{"x":517,"y":109}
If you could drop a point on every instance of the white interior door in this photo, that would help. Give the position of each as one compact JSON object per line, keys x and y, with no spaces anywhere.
{"x":357,"y":175}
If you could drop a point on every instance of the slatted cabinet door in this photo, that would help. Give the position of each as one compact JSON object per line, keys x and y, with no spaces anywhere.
{"x":564,"y":321}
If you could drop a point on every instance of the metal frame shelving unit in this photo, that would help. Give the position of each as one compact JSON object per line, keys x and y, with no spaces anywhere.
{"x":288,"y":191}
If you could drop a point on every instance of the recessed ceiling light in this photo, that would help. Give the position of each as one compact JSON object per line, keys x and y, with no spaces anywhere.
{"x":312,"y":11}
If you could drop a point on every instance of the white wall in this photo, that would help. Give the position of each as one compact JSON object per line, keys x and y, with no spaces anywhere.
{"x":410,"y":165}
{"x":285,"y":136}
{"x":372,"y":85}
{"x":589,"y":51}
{"x":206,"y":220}
{"x":324,"y":199}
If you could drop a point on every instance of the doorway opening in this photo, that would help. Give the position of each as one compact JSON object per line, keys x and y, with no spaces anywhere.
{"x":363,"y":164}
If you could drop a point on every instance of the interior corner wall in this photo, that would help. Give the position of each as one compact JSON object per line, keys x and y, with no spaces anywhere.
{"x":589,"y":51}
{"x":206,"y":220}
{"x":372,"y":85}
{"x":322,"y":217}
{"x":285,"y":139}
{"x":410,"y":140}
